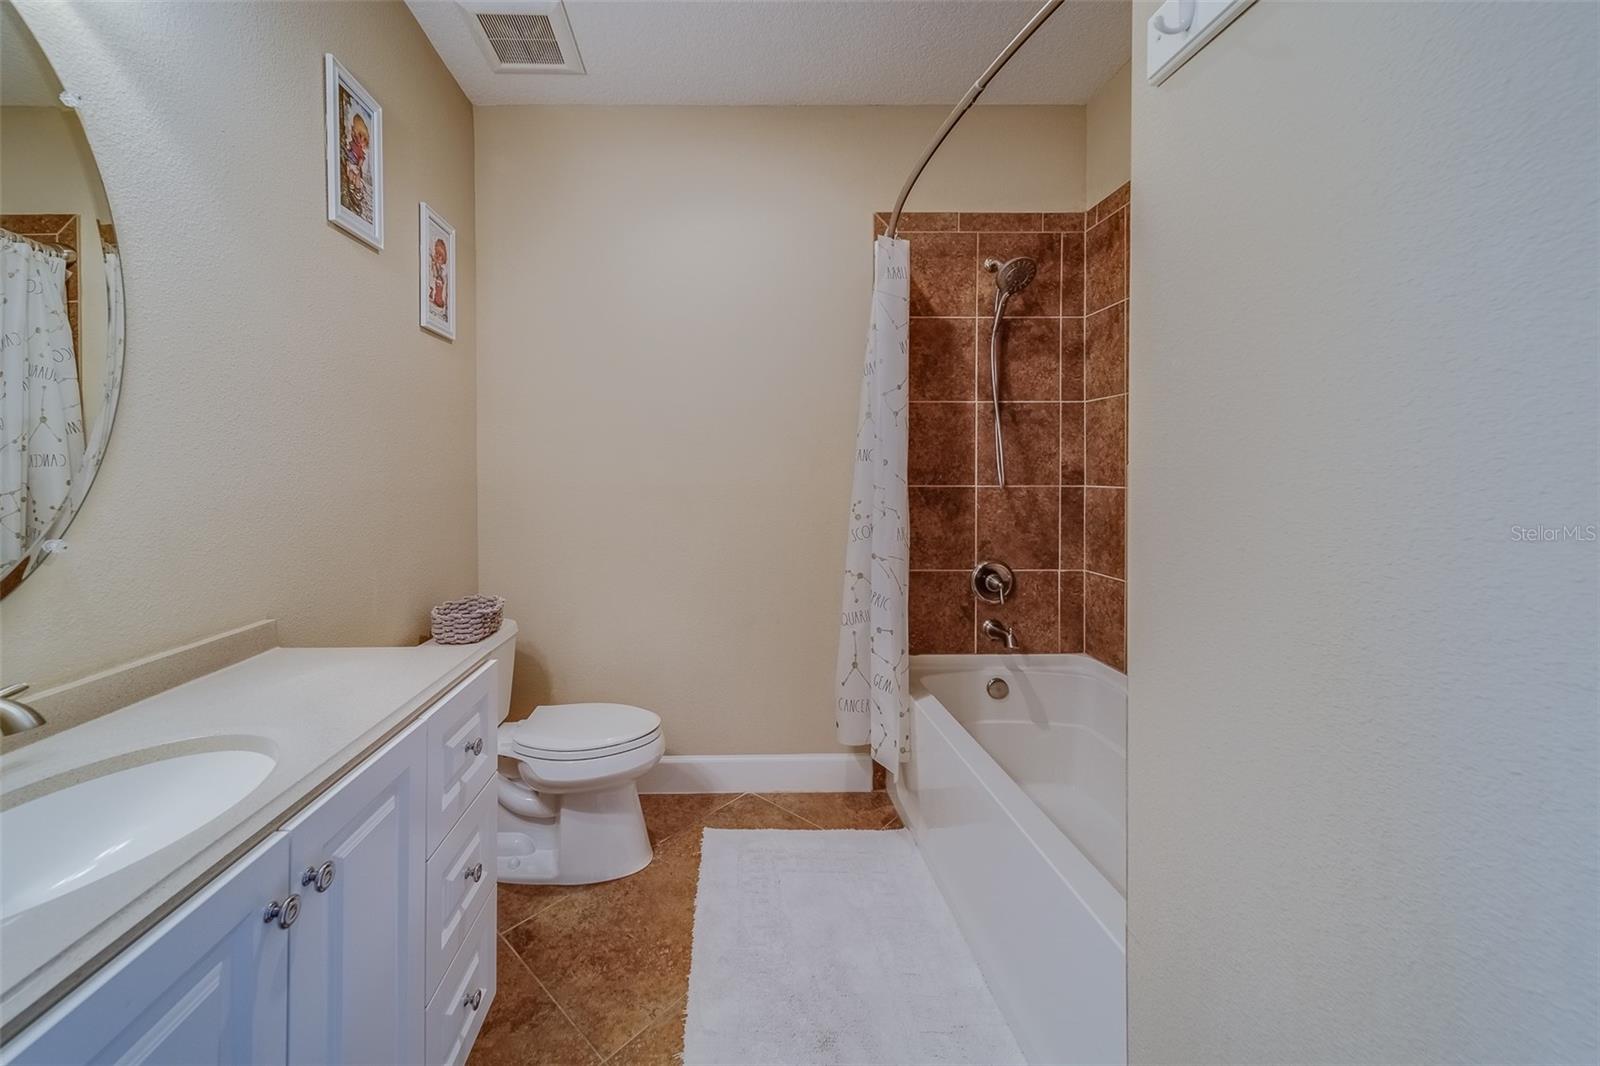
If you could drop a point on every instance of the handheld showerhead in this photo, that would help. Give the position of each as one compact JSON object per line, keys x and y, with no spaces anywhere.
{"x":1012,"y":276}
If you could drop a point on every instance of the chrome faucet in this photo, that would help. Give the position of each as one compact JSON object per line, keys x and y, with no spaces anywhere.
{"x":1000,"y":633}
{"x":16,"y":716}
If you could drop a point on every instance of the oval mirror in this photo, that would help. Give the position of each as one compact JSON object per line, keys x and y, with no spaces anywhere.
{"x":61,"y":309}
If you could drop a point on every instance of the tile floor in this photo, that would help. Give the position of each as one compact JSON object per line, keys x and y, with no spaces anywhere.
{"x":600,"y":973}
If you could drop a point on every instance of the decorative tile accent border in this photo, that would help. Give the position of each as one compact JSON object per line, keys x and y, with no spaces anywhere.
{"x":1059,"y":523}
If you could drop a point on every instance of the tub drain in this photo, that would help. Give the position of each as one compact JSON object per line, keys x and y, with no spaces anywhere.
{"x":997,"y":688}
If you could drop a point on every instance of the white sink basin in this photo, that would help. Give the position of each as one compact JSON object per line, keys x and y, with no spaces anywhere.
{"x":76,"y":835}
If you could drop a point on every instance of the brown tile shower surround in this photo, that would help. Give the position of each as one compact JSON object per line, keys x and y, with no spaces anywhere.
{"x":600,"y":973}
{"x":1059,"y":522}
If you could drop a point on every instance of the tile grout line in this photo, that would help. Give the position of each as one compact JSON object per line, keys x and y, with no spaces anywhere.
{"x":1127,"y":289}
{"x":977,"y":341}
{"x":647,"y":1025}
{"x":682,"y":1003}
{"x":551,"y":902}
{"x":1124,"y":394}
{"x":785,"y":810}
{"x":581,"y":1034}
{"x":1061,"y":421}
{"x":1083,"y":431}
{"x":1015,"y":570}
{"x":1009,"y":317}
{"x":553,"y":1000}
{"x":733,"y":798}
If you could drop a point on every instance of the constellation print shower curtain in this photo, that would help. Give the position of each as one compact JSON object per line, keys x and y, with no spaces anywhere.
{"x":874,"y":698}
{"x":41,"y":412}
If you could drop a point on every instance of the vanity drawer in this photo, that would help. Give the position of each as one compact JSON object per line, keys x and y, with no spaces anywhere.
{"x":456,"y":1012}
{"x":461,"y":749}
{"x":455,"y":897}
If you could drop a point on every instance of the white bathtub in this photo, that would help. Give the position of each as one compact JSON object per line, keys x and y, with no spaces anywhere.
{"x":1018,"y":805}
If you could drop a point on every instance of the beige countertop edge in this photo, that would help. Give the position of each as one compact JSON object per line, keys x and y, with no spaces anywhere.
{"x":54,"y":981}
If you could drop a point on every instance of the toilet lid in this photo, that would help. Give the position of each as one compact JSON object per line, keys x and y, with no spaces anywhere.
{"x":568,"y":728}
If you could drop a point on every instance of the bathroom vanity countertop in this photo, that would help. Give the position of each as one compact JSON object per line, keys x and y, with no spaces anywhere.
{"x":316,"y":711}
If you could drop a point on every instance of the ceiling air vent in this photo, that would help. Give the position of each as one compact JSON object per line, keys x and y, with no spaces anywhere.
{"x":525,"y":36}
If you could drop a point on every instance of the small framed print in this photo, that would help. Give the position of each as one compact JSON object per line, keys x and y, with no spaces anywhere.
{"x":436,"y":262}
{"x":355,"y":155}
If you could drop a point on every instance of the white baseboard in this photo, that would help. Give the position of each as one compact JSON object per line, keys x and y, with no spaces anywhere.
{"x":836,"y":772}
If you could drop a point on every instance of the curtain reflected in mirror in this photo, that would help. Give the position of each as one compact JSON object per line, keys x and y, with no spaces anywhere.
{"x":61,"y":308}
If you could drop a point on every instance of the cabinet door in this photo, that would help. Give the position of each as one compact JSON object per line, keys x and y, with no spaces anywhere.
{"x":356,"y":953}
{"x":209,"y":984}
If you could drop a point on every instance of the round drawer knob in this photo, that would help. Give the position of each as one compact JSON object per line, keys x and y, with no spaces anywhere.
{"x":320,"y":876}
{"x":283,"y":913}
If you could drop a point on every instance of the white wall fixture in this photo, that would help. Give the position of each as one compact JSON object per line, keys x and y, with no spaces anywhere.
{"x":1180,"y":28}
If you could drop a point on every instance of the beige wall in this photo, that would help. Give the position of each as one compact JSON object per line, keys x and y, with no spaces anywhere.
{"x":1106,"y":128}
{"x":289,"y":443}
{"x":672,"y":314}
{"x":1362,"y":792}
{"x":46,"y":168}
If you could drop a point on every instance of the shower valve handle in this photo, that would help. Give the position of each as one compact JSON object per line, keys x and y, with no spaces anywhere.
{"x":993,"y":582}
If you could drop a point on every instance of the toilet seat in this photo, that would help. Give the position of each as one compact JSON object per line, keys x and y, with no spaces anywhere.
{"x":572,"y":732}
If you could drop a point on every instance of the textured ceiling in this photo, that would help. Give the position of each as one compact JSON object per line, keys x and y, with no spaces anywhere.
{"x":800,"y":52}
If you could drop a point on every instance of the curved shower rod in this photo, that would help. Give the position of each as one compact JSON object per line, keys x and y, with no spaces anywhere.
{"x":966,"y":102}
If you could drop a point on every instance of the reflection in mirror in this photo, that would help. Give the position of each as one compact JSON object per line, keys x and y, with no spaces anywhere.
{"x":61,"y":313}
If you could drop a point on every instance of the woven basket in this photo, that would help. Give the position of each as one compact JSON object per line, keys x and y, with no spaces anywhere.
{"x":468,"y":621}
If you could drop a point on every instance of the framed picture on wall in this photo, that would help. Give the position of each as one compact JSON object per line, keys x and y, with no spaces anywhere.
{"x":355,"y":155}
{"x":436,"y":264}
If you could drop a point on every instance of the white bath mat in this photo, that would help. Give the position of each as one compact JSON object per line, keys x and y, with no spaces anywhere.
{"x":831,"y":947}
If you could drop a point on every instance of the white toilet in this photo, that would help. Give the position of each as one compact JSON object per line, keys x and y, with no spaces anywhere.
{"x":569,"y":810}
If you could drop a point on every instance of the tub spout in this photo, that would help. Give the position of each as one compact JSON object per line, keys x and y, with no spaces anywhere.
{"x":1000,"y":633}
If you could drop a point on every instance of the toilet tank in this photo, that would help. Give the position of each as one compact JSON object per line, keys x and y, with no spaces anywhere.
{"x":502,"y":649}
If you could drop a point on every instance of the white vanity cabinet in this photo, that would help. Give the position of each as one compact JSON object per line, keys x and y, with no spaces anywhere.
{"x":347,"y":936}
